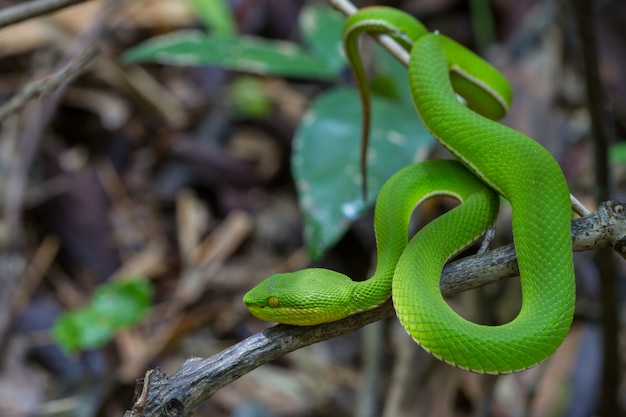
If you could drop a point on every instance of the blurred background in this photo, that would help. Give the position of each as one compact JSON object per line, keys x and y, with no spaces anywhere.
{"x":158,"y":158}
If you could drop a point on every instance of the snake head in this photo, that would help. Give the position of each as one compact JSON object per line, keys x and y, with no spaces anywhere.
{"x":304,"y":298}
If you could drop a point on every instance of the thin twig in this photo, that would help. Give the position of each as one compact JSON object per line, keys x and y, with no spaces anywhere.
{"x":398,"y":52}
{"x":578,"y":207}
{"x":30,"y":9}
{"x":49,"y":84}
{"x":347,"y":8}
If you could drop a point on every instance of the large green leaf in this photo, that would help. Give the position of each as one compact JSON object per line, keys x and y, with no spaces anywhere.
{"x":321,"y":28}
{"x":242,"y":53}
{"x":326,"y":160}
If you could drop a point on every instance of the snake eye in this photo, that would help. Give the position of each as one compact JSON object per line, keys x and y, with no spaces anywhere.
{"x":273,"y":302}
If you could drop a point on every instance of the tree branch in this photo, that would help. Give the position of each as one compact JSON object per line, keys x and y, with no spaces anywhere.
{"x":198,"y":379}
{"x":49,"y":84}
{"x":30,"y":9}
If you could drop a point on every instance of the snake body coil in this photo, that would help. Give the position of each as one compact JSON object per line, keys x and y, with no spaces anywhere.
{"x":507,"y":161}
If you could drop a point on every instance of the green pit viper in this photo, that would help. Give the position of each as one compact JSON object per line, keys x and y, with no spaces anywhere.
{"x":508,"y":162}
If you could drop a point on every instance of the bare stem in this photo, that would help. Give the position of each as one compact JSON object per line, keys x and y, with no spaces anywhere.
{"x":49,"y":84}
{"x":30,"y":9}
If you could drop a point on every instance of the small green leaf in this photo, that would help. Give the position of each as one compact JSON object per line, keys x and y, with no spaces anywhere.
{"x":215,"y":14}
{"x":113,"y":306}
{"x":242,"y":53}
{"x":321,"y":28}
{"x":122,"y":302}
{"x":617,"y":153}
{"x":82,"y":330}
{"x":247,"y":97}
{"x":325,"y":160}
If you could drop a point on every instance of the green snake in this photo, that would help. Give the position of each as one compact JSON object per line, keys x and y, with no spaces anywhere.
{"x":508,"y":162}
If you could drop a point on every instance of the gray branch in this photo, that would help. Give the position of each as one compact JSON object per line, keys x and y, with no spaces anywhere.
{"x":198,"y":379}
{"x":30,"y":9}
{"x":48,"y":85}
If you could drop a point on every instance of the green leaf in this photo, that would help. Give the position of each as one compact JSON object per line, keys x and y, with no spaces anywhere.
{"x":325,"y":160}
{"x":122,"y":302}
{"x":81,"y":330}
{"x":617,"y":153}
{"x":113,"y":306}
{"x":321,"y":28}
{"x":392,"y":79}
{"x":215,"y":14}
{"x":242,"y":53}
{"x":247,"y":97}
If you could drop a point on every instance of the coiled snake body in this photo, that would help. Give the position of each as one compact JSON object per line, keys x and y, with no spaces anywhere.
{"x":510,"y":163}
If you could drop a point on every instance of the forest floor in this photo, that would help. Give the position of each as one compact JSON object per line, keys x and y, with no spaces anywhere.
{"x":150,"y":171}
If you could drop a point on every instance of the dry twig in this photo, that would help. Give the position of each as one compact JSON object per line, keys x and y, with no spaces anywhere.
{"x":49,"y":84}
{"x":30,"y":9}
